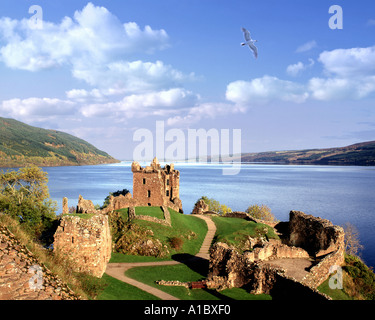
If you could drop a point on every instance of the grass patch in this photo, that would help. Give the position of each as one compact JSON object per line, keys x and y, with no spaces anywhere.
{"x":118,"y":290}
{"x":155,"y":212}
{"x":85,"y":216}
{"x":335,"y":294}
{"x":234,"y":231}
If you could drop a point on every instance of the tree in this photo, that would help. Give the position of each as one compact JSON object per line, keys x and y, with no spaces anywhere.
{"x":351,"y":239}
{"x":24,"y":195}
{"x":261,"y":212}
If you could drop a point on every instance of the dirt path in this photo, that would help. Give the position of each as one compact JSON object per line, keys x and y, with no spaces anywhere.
{"x":294,"y":267}
{"x":117,"y":270}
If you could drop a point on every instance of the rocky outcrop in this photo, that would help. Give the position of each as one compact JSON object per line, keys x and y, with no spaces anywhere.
{"x":200,"y":207}
{"x":24,"y":277}
{"x":87,"y":242}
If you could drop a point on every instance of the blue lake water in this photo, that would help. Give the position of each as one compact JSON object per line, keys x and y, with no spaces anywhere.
{"x":338,"y":193}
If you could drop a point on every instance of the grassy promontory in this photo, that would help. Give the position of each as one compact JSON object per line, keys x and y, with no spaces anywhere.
{"x":22,"y":145}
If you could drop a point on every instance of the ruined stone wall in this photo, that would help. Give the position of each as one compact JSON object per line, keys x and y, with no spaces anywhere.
{"x":317,"y":236}
{"x":120,"y":202}
{"x":320,"y":272}
{"x":23,"y":277}
{"x":274,"y":249}
{"x":167,"y":217}
{"x":228,"y":269}
{"x":86,"y":241}
{"x":85,"y":206}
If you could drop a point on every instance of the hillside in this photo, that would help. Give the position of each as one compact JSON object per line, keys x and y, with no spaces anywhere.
{"x":21,"y":144}
{"x":361,"y":154}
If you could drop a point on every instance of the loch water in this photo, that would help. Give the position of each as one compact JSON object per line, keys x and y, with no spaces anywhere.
{"x":338,"y":193}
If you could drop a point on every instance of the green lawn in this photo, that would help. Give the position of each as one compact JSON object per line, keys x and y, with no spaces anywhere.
{"x":235,"y":230}
{"x":335,"y":294}
{"x":155,"y":212}
{"x":118,"y":290}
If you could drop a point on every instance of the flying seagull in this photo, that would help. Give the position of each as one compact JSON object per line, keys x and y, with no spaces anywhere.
{"x":249,"y":42}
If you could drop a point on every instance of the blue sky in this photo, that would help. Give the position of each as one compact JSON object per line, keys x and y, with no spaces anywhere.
{"x":103,"y":69}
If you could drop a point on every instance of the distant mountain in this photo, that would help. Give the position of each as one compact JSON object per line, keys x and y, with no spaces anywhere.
{"x":21,"y":144}
{"x":361,"y":154}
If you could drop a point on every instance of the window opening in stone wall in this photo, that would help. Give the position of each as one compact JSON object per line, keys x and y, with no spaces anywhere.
{"x":167,"y":193}
{"x":144,"y":180}
{"x":148,"y":193}
{"x":167,"y":182}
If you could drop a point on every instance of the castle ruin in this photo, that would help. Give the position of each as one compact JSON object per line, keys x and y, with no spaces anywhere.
{"x":156,"y":186}
{"x":153,"y":185}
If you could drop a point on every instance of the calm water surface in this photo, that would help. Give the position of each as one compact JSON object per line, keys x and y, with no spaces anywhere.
{"x":340,"y":194}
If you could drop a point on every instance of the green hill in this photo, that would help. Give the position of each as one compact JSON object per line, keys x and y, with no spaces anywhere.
{"x":21,"y":144}
{"x":360,"y":154}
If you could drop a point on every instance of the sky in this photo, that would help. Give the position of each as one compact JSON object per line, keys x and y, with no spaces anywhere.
{"x":108,"y":71}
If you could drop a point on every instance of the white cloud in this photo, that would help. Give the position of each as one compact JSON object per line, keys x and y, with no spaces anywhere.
{"x":94,"y":35}
{"x":204,"y":111}
{"x":141,"y":105}
{"x":349,"y":62}
{"x":265,"y":89}
{"x":296,"y":69}
{"x":341,"y":88}
{"x":351,"y":74}
{"x":36,"y":109}
{"x":306,"y":46}
{"x":371,"y":22}
{"x":348,"y":74}
{"x":135,"y":76}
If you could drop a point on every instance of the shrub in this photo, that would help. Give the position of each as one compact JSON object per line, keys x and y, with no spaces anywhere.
{"x":261,"y":212}
{"x":363,"y":277}
{"x":176,"y":243}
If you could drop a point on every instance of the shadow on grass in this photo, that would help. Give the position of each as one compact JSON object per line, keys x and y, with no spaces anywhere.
{"x":196,"y":264}
{"x":199,"y":265}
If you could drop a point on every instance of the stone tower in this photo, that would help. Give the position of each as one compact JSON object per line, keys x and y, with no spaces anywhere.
{"x":156,"y":186}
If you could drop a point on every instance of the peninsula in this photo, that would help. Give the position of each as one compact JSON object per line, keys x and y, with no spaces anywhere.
{"x":22,"y":144}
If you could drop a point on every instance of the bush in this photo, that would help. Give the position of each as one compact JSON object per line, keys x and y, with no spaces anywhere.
{"x":261,"y":212}
{"x":176,"y":243}
{"x":363,"y":277}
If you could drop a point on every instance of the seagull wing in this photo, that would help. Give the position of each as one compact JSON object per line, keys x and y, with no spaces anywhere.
{"x":254,"y":49}
{"x":246,"y":34}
